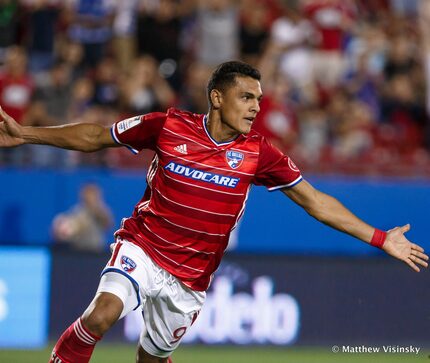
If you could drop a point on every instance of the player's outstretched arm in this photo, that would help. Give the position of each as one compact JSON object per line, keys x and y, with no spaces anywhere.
{"x":330,"y":211}
{"x":80,"y":136}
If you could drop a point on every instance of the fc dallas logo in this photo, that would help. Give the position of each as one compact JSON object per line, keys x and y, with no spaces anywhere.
{"x":127,"y":264}
{"x":234,"y":158}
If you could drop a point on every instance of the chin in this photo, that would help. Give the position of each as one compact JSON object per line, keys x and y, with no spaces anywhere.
{"x":246,"y":130}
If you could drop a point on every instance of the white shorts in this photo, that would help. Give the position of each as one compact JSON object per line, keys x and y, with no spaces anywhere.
{"x":169,"y":308}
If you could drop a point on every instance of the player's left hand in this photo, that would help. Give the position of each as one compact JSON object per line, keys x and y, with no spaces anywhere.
{"x":10,"y":131}
{"x":398,"y":246}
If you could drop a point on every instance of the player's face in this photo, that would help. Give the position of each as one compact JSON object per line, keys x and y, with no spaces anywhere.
{"x":239,"y":104}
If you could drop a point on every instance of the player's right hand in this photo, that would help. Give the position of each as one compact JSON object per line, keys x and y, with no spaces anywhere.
{"x":10,"y":131}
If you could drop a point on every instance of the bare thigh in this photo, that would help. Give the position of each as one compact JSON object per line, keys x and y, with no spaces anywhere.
{"x":102,"y":313}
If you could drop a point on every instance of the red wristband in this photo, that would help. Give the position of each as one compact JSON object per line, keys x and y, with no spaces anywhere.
{"x":378,"y":238}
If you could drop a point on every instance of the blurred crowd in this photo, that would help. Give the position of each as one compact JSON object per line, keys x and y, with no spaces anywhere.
{"x":344,"y":81}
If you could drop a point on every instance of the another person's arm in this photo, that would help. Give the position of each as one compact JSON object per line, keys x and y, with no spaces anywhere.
{"x":81,"y":136}
{"x":330,"y":211}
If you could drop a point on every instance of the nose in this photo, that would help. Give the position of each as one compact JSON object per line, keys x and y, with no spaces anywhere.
{"x":255,"y":106}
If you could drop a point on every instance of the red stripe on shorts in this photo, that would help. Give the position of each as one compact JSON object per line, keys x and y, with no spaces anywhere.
{"x":115,"y":253}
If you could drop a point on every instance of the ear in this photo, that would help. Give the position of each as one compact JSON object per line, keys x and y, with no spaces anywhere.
{"x":216,"y":98}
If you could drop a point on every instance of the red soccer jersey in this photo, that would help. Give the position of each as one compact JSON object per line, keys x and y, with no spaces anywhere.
{"x":197,"y":189}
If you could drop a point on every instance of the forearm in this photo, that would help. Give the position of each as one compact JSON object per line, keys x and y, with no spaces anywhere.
{"x":331,"y":212}
{"x":80,"y":136}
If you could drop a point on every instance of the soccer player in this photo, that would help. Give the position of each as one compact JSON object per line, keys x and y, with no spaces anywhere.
{"x":166,"y":253}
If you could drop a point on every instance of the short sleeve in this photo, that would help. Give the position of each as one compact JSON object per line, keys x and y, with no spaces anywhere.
{"x":139,"y":132}
{"x":275,"y":170}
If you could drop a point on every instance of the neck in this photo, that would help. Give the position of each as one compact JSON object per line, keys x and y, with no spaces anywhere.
{"x":218,"y":130}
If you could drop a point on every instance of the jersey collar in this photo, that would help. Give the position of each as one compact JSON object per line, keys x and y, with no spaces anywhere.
{"x":205,"y":119}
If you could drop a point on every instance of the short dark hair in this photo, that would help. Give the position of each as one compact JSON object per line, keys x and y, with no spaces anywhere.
{"x":225,"y":75}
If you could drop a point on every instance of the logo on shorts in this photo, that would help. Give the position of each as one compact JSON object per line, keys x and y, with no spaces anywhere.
{"x":234,"y":158}
{"x":127,"y":264}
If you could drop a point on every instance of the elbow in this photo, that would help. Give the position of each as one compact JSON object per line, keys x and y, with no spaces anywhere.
{"x":320,"y":216}
{"x":92,"y":141}
{"x":319,"y":210}
{"x":91,"y":147}
{"x":316,"y":213}
{"x":88,"y":150}
{"x":87,"y":146}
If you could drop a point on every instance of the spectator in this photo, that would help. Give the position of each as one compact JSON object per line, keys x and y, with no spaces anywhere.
{"x":335,"y":57}
{"x":333,"y":20}
{"x":193,"y":95}
{"x":49,"y":107}
{"x":352,"y":135}
{"x":277,"y":119}
{"x":314,"y":132}
{"x":254,"y":29}
{"x":364,"y":86}
{"x":124,"y":29}
{"x":162,"y":20}
{"x":144,"y":89}
{"x":291,"y":37}
{"x":9,"y":25}
{"x":403,"y":114}
{"x":424,"y":23}
{"x":53,"y":89}
{"x":405,"y":7}
{"x":42,"y":21}
{"x":369,"y":44}
{"x":106,"y":91}
{"x":84,"y":227}
{"x":400,"y":58}
{"x":217,"y":31}
{"x":82,"y":97}
{"x":16,"y":84}
{"x":72,"y":54}
{"x":91,"y":26}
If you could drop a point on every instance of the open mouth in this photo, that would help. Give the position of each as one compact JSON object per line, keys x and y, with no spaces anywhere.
{"x":250,"y":119}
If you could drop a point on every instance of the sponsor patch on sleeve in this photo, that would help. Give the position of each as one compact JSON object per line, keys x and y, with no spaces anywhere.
{"x":127,"y":124}
{"x":292,"y":165}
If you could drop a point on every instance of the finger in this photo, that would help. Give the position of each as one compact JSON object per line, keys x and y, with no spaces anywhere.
{"x":412,"y":265}
{"x":423,"y":256}
{"x":418,"y":260}
{"x":4,"y":116}
{"x":405,"y":228}
{"x":417,"y":248}
{"x":421,"y":262}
